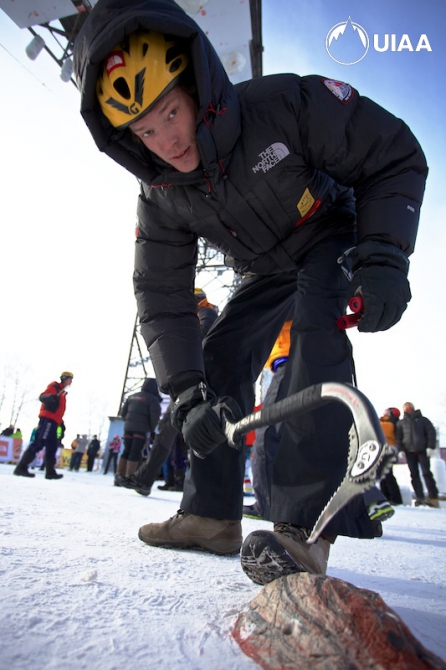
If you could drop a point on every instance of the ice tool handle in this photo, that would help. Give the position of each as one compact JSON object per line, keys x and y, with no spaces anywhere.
{"x":369,"y":456}
{"x":356,"y":305}
{"x":364,"y":416}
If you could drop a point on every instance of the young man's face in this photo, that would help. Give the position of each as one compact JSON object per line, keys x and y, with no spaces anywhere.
{"x":168,"y":130}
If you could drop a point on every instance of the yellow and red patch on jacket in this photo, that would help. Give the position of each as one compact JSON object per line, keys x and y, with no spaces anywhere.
{"x":307,"y":206}
{"x":305,"y":203}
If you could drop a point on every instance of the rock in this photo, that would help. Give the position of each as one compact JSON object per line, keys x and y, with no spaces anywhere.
{"x":311,"y":622}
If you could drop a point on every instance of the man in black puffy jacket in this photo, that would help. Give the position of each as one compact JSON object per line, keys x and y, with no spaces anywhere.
{"x":415,"y":434}
{"x":313,"y":193}
{"x":141,"y":412}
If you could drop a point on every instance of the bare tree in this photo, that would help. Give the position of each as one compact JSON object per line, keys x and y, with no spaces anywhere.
{"x":14,"y":389}
{"x":3,"y":392}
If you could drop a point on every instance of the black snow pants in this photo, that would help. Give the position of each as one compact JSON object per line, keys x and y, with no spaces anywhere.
{"x":312,"y":454}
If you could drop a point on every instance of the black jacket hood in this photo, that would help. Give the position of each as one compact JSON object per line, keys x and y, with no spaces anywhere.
{"x":218,"y":120}
{"x":150,"y":386}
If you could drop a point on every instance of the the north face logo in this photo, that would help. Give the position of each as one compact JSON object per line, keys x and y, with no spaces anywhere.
{"x":271,"y":156}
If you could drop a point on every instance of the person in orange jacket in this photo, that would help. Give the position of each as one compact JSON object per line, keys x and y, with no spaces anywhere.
{"x":389,"y":485}
{"x":267,"y":438}
{"x":166,"y":447}
{"x":52,"y":410}
{"x":266,"y":445}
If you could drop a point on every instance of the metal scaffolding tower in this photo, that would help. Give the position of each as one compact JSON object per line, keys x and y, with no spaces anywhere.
{"x":218,"y":282}
{"x":61,"y":22}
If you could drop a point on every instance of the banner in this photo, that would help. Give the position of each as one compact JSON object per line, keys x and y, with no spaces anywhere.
{"x":10,"y":449}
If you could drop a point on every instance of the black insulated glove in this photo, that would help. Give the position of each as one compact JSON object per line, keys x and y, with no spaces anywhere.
{"x":197,"y":414}
{"x":50,"y":402}
{"x":380,"y":277}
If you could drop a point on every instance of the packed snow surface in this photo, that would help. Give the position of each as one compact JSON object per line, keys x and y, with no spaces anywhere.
{"x":78,"y":589}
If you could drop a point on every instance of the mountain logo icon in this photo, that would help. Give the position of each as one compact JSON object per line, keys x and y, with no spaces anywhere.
{"x":347,"y":42}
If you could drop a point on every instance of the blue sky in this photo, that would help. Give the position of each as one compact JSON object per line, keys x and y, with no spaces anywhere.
{"x":407,"y":361}
{"x":410,"y":84}
{"x":67,"y":214}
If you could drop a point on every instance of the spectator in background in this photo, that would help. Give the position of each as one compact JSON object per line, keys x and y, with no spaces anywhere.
{"x":141,"y":412}
{"x":414,"y":435}
{"x":175,"y":465}
{"x":207,"y":312}
{"x":75,"y":442}
{"x":60,"y":432}
{"x":51,"y":413}
{"x":8,"y":431}
{"x":267,"y":441}
{"x":114,"y":447}
{"x":166,"y":447}
{"x":78,"y":454}
{"x":92,"y":452}
{"x":389,"y":485}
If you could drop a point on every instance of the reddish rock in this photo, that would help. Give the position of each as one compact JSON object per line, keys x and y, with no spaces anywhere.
{"x":320,"y":623}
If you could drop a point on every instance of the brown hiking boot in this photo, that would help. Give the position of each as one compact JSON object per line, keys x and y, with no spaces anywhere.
{"x":188,"y":531}
{"x":432,"y":502}
{"x":267,"y":555}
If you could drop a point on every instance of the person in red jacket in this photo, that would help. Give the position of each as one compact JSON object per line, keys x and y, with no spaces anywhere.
{"x":51,"y":413}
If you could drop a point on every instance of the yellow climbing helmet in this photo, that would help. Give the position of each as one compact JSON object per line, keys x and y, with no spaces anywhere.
{"x":199,"y":294}
{"x":136,"y":73}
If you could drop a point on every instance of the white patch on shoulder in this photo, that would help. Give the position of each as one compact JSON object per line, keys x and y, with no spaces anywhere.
{"x":342,"y":91}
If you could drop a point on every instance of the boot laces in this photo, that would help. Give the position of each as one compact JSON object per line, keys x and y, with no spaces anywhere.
{"x":180,"y":512}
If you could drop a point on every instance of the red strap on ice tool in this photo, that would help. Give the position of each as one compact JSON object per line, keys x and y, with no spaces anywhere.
{"x":356,"y":304}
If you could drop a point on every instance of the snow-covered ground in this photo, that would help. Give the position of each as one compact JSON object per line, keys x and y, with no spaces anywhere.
{"x":78,"y":589}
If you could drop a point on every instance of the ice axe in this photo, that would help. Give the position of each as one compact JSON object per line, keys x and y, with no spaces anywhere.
{"x":369,"y":457}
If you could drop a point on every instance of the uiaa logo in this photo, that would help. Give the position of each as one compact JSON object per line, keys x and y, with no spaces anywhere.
{"x":347,"y":42}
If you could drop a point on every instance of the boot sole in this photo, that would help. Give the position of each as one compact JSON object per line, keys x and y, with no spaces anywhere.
{"x":213,"y":547}
{"x":30,"y":475}
{"x":263,"y":559}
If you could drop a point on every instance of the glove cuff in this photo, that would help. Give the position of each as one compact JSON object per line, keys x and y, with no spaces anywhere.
{"x":379,"y":253}
{"x":192,"y":396}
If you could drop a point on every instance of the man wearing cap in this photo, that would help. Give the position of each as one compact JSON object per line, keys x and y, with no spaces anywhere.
{"x":51,"y":413}
{"x":414,"y":435}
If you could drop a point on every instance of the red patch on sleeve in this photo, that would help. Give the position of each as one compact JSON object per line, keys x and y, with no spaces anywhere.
{"x":342,"y":91}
